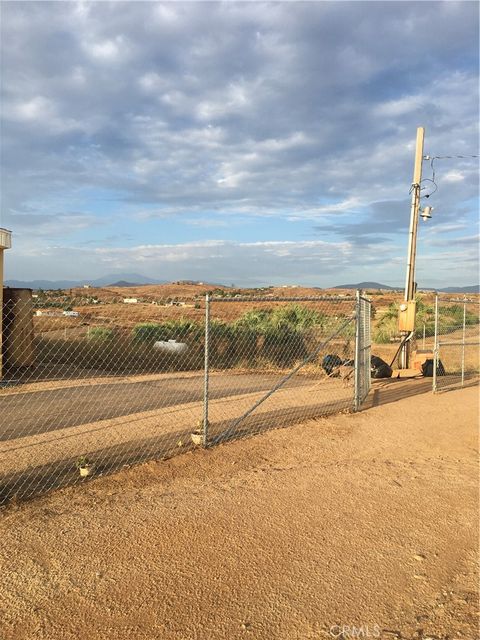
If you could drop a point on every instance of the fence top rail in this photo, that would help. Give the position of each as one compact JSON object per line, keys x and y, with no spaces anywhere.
{"x":448,"y":299}
{"x":282,"y":299}
{"x":458,"y":344}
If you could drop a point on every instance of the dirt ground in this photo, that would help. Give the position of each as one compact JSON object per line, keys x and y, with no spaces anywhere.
{"x":363,"y":522}
{"x":166,"y":425}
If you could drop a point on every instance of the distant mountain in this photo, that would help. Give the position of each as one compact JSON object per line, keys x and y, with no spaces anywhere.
{"x":118,"y":280}
{"x":123,"y":283}
{"x":474,"y":288}
{"x":135,"y":280}
{"x":43,"y":284}
{"x":129,"y":278}
{"x":366,"y":285}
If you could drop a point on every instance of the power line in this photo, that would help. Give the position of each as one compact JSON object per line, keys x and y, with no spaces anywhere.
{"x":447,"y":157}
{"x":432,"y":161}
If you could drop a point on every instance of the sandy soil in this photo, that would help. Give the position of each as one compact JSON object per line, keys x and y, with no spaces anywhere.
{"x":366,"y":520}
{"x":21,"y":454}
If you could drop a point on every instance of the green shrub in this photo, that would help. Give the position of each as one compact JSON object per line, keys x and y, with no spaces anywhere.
{"x":101,"y":333}
{"x":170,"y":330}
{"x":275,"y":336}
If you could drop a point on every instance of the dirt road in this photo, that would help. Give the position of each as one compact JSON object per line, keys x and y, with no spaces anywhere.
{"x":25,"y":414}
{"x":366,"y":520}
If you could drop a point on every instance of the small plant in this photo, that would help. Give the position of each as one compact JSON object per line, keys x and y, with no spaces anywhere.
{"x":82,"y":462}
{"x":84,"y":466}
{"x":197,"y":435}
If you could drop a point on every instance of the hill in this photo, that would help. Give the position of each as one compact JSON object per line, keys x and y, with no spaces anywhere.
{"x":474,"y":288}
{"x":367,"y":285}
{"x":126,"y":279}
{"x":133,"y":280}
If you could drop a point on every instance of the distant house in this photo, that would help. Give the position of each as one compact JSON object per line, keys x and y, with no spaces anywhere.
{"x":71,"y":314}
{"x":130,"y":300}
{"x":49,"y":313}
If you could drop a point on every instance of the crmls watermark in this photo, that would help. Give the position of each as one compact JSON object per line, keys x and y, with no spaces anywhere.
{"x":346,"y":631}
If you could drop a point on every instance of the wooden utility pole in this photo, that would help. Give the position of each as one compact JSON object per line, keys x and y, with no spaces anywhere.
{"x":408,"y":308}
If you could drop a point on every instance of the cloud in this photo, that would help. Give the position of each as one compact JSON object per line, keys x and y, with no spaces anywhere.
{"x":312,"y":262}
{"x":50,"y":225}
{"x":454,"y":176}
{"x":251,"y":263}
{"x":458,"y":243}
{"x":295,"y":112}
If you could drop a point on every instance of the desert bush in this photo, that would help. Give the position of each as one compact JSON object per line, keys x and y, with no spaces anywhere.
{"x":182,"y":329}
{"x":268,"y":336}
{"x":292,"y":316}
{"x":101,"y":333}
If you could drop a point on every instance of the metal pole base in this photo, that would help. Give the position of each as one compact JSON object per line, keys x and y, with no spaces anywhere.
{"x":404,"y":356}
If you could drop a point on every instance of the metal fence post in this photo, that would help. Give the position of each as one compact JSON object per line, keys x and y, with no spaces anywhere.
{"x":206,"y":371}
{"x":356,"y":364}
{"x":367,"y":346}
{"x":463,"y":341}
{"x":435,"y":347}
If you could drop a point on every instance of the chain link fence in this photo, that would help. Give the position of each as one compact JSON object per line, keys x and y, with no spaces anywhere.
{"x":456,"y":342}
{"x":91,"y":386}
{"x":363,"y":350}
{"x":102,"y":384}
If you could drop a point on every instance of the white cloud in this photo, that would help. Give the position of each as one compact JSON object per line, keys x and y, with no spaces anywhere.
{"x":399,"y":107}
{"x":152,"y":82}
{"x":107,"y":51}
{"x":453,"y":176}
{"x":37,"y":108}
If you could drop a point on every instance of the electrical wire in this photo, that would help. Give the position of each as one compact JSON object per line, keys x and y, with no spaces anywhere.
{"x":434,"y":186}
{"x":404,"y":340}
{"x":427,"y":157}
{"x":432,"y":165}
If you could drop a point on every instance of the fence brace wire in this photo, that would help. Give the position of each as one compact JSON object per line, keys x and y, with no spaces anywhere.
{"x":283,"y":381}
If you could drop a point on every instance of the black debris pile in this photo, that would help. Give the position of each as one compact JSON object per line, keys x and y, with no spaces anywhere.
{"x":330,"y":364}
{"x":379,"y":368}
{"x":427,"y":368}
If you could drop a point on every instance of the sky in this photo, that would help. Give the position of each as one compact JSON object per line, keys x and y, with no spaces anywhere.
{"x":241,"y":143}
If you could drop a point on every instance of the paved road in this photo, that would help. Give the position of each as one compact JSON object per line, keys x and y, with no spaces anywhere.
{"x":26,"y":414}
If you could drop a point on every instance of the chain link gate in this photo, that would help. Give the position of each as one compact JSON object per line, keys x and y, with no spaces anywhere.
{"x":456,"y":350}
{"x":293,"y":358}
{"x":363,"y":349}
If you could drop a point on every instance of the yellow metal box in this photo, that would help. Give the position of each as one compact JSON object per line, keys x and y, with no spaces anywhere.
{"x":406,"y":316}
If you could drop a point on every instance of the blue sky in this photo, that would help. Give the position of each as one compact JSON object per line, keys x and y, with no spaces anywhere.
{"x":254,"y":143}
